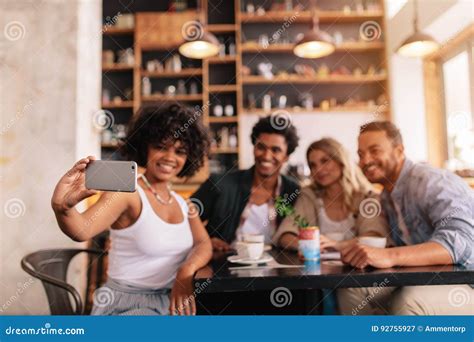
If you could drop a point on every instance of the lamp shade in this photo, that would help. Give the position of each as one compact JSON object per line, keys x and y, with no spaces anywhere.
{"x":418,"y":45}
{"x":205,"y":46}
{"x":314,"y":44}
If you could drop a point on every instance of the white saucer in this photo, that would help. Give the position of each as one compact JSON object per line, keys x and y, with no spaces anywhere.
{"x":263,"y":259}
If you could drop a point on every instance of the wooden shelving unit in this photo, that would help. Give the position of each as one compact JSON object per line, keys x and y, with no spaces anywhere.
{"x":159,"y":34}
{"x":117,"y":67}
{"x":222,"y":60}
{"x":297,"y":79}
{"x":222,"y":88}
{"x":118,"y":105}
{"x":305,"y":17}
{"x":167,"y":98}
{"x":180,"y":74}
{"x":288,"y":48}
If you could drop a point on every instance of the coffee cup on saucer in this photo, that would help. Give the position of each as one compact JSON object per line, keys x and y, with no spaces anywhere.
{"x":249,"y":250}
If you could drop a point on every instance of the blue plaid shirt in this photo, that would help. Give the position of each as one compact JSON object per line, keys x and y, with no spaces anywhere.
{"x":429,"y":204}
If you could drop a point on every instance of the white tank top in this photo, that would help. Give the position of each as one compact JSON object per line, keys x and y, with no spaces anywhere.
{"x":329,"y":226}
{"x":148,"y":253}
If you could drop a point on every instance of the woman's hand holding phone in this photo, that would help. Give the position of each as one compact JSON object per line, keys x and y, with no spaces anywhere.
{"x":71,"y":188}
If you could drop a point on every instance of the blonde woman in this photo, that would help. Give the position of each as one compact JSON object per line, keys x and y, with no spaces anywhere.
{"x":340,"y":200}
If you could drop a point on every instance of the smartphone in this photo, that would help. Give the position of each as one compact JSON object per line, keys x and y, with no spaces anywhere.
{"x":111,"y":175}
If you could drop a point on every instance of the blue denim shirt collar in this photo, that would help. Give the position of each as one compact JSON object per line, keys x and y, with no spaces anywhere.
{"x":401,"y":181}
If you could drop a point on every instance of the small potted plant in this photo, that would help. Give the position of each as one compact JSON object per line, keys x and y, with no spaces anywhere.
{"x":308,"y":236}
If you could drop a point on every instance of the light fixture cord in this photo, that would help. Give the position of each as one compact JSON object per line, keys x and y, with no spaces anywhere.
{"x":415,"y":19}
{"x":315,"y":22}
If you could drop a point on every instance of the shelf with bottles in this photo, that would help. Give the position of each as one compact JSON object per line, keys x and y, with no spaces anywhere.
{"x":222,"y":107}
{"x":314,"y":102}
{"x":306,"y":73}
{"x":167,"y":98}
{"x":169,"y":64}
{"x":224,"y":138}
{"x":117,"y":90}
{"x":186,"y":72}
{"x":118,"y":24}
{"x":187,"y":89}
{"x":254,"y":11}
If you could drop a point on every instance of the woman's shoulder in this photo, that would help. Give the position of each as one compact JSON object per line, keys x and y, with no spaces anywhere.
{"x":309,"y":193}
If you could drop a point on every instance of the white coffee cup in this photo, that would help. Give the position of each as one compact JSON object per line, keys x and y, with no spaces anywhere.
{"x":249,"y":250}
{"x":373,"y":241}
{"x":253,"y":238}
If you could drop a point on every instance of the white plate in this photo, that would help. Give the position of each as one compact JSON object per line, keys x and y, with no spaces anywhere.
{"x":263,"y":259}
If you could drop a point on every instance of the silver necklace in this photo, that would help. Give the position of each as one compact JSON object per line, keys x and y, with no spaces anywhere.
{"x":153,"y":191}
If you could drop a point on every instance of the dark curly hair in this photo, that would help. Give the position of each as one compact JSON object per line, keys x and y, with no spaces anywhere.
{"x":154,"y":126}
{"x":277,"y":124}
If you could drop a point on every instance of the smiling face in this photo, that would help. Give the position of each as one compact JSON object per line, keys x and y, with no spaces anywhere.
{"x":379,"y":158}
{"x":166,"y":160}
{"x":325,"y":171}
{"x":270,"y":152}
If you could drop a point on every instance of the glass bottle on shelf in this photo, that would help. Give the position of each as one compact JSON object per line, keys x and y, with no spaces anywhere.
{"x":232,"y":49}
{"x":233,"y":137}
{"x":146,"y":86}
{"x":218,"y":110}
{"x":181,"y":90}
{"x":221,"y":47}
{"x":224,"y":133}
{"x":229,"y":110}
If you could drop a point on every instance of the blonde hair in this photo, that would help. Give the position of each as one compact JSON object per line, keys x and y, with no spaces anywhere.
{"x":352,"y":181}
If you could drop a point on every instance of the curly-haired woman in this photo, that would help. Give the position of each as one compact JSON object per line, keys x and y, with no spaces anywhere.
{"x":156,"y":246}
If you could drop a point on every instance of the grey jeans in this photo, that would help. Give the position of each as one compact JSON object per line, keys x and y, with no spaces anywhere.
{"x":116,"y":298}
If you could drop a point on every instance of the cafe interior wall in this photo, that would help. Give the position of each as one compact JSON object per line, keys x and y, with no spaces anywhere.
{"x":49,"y":62}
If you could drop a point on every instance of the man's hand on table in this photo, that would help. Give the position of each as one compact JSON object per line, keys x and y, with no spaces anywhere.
{"x":361,"y":256}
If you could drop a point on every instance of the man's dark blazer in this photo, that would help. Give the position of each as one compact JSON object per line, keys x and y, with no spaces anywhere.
{"x":224,"y":198}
